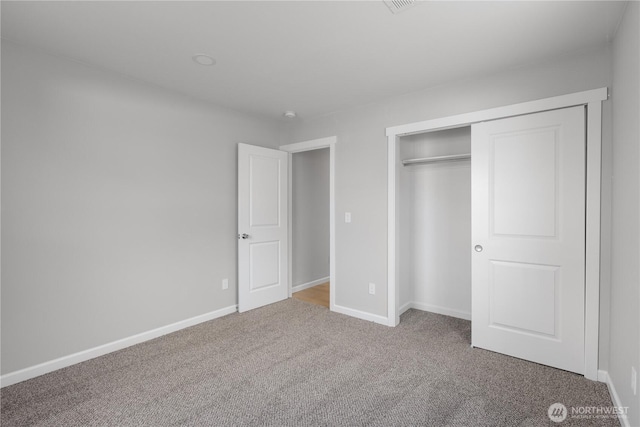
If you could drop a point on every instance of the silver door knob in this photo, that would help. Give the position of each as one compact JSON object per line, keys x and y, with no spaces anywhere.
{"x":478,"y":248}
{"x":243,"y":236}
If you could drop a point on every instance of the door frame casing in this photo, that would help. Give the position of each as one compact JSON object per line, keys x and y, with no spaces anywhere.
{"x":592,"y":100}
{"x":299,"y":147}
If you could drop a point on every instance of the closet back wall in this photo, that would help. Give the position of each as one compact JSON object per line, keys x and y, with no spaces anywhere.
{"x":435,"y":226}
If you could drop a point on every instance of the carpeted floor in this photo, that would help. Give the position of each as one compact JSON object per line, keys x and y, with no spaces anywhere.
{"x":297,"y":364}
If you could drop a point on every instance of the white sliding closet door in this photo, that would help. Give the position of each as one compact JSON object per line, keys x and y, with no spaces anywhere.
{"x":528,"y":237}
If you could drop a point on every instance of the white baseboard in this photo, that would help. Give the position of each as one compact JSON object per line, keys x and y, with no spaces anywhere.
{"x":361,"y":314}
{"x":405,"y":307}
{"x":311,"y":284}
{"x":81,"y":356}
{"x":603,"y":376}
{"x":437,"y":309}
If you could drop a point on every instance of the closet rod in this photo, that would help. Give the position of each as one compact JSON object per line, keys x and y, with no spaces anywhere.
{"x":450,"y":158}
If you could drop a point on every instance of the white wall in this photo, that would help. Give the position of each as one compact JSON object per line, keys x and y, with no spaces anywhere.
{"x":310,"y":226}
{"x":438,"y":228}
{"x":361,"y":156}
{"x":625,"y":242}
{"x":119,"y":206}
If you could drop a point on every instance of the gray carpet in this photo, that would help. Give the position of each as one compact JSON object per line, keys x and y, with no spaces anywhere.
{"x":296,"y":364}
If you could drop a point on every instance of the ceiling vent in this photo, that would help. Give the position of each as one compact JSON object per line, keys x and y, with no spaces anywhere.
{"x":397,"y":6}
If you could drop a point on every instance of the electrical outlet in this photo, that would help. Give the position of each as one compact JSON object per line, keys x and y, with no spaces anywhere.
{"x":634,"y":380}
{"x":372,"y":288}
{"x":225,"y":284}
{"x":347,"y":217}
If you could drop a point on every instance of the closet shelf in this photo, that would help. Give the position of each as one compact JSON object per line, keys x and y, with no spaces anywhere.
{"x":451,"y":158}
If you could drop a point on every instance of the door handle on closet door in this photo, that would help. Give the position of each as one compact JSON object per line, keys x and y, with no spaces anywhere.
{"x":478,"y":248}
{"x":243,"y":236}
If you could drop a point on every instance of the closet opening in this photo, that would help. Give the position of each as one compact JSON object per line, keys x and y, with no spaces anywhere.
{"x":535,"y":223}
{"x":434,"y":222}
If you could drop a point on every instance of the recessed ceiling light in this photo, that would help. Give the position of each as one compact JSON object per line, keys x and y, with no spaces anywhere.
{"x":203,"y":59}
{"x":289,"y":114}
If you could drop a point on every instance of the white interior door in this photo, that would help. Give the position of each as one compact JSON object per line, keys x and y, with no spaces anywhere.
{"x":528,"y":233}
{"x":262,"y":226}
